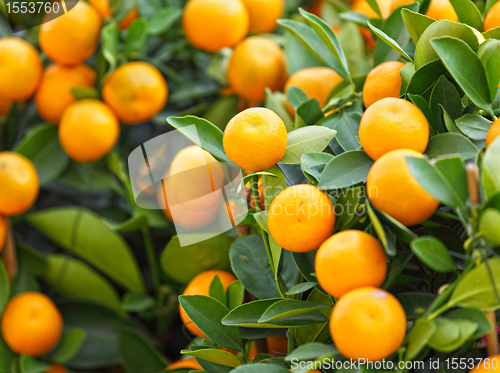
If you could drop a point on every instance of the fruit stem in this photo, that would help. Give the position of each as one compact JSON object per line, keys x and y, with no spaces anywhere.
{"x":150,"y":253}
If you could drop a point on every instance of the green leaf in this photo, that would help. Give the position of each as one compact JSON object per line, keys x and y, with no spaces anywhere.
{"x":374,"y":5}
{"x":451,"y":334}
{"x":416,"y":23}
{"x":425,"y":51}
{"x":221,"y":357}
{"x":446,"y":182}
{"x":419,"y":102}
{"x":406,"y":73}
{"x":326,"y":34}
{"x":297,"y":55}
{"x":69,"y":227}
{"x":311,"y":351}
{"x":138,"y":355}
{"x":289,"y":307}
{"x":472,"y":314}
{"x":390,"y":42}
{"x":223,"y":110}
{"x":4,"y":287}
{"x":346,"y":169}
{"x":433,"y":253}
{"x":273,"y":185}
{"x":301,"y":288}
{"x":494,"y":33}
{"x":182,"y":264}
{"x":304,"y":140}
{"x":41,"y":146}
{"x":448,"y":122}
{"x":346,"y":207}
{"x":260,"y":368}
{"x":476,"y":289}
{"x":83,"y":93}
{"x":137,"y":33}
{"x":204,"y":134}
{"x":466,"y":68}
{"x":489,"y":223}
{"x":387,"y":237}
{"x":30,"y":365}
{"x":313,"y":164}
{"x":68,"y":347}
{"x":415,"y":304}
{"x":423,"y":80}
{"x":418,"y":337}
{"x":133,"y":302}
{"x":491,"y":167}
{"x":75,"y":279}
{"x":474,"y":126}
{"x":446,"y":144}
{"x":346,"y":123}
{"x":444,"y":95}
{"x":135,"y":223}
{"x":163,"y":19}
{"x":489,"y":54}
{"x":296,"y":96}
{"x":110,"y":39}
{"x":217,"y":291}
{"x":313,"y":43}
{"x":207,"y":313}
{"x":275,"y":101}
{"x":468,"y":13}
{"x":235,"y":294}
{"x":310,"y":111}
{"x":355,"y":17}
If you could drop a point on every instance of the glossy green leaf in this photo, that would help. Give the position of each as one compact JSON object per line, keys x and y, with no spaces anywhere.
{"x":415,"y":23}
{"x":163,"y":19}
{"x":260,"y":368}
{"x":451,"y":334}
{"x":296,"y":96}
{"x":288,"y":308}
{"x":301,"y":288}
{"x":446,"y":144}
{"x":313,"y":164}
{"x":423,"y":80}
{"x":475,"y":127}
{"x":489,"y":225}
{"x":346,"y":207}
{"x":346,"y":169}
{"x":489,"y":54}
{"x":414,"y":303}
{"x":474,"y":315}
{"x":75,"y":279}
{"x":433,"y":253}
{"x":217,"y":291}
{"x":69,"y":227}
{"x":235,"y":294}
{"x":444,"y":96}
{"x":346,"y":123}
{"x":310,"y":111}
{"x":419,"y":102}
{"x":304,"y":140}
{"x":386,"y":236}
{"x":71,"y":342}
{"x":406,"y":73}
{"x":221,"y":357}
{"x":468,"y":13}
{"x":491,"y":168}
{"x":311,"y":351}
{"x":418,"y":337}
{"x":275,"y":101}
{"x":390,"y":42}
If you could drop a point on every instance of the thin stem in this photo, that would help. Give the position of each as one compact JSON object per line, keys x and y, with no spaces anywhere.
{"x":150,"y":253}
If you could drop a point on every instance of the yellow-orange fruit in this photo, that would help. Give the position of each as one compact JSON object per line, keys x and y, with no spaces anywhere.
{"x":441,"y":9}
{"x":493,"y":133}
{"x":264,"y":14}
{"x":383,"y":81}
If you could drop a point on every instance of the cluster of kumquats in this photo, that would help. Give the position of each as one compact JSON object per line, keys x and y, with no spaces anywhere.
{"x":366,"y":322}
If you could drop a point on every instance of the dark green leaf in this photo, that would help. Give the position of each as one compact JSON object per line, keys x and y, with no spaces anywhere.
{"x":136,"y":36}
{"x":163,"y":19}
{"x":4,"y":287}
{"x":433,"y":253}
{"x":423,"y":80}
{"x":468,"y":13}
{"x":415,"y":23}
{"x":415,"y":304}
{"x":489,"y":54}
{"x":346,"y":169}
{"x":310,"y":111}
{"x":446,"y":144}
{"x":235,"y":294}
{"x":217,"y":290}
{"x":425,"y":109}
{"x":289,"y":307}
{"x":474,"y":126}
{"x":301,"y":288}
{"x":313,"y":164}
{"x":444,"y":95}
{"x":133,"y":302}
{"x":30,"y":365}
{"x":311,"y":351}
{"x":304,"y":140}
{"x":138,"y":355}
{"x":221,"y":357}
{"x":70,"y":344}
{"x":346,"y":123}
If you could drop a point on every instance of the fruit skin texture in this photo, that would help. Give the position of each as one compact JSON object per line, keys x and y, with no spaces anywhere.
{"x":3,"y":232}
{"x":383,"y":81}
{"x":19,"y":185}
{"x":31,"y":324}
{"x":136,"y":92}
{"x":264,"y":14}
{"x":368,"y":323}
{"x":256,"y":64}
{"x":493,"y":133}
{"x":301,"y":218}
{"x":215,"y":24}
{"x":393,"y":189}
{"x":185,"y":363}
{"x":348,"y":260}
{"x":71,"y":38}
{"x":316,"y":82}
{"x":56,"y":368}
{"x":480,"y":368}
{"x":390,"y":124}
{"x":277,"y":346}
{"x":442,"y":9}
{"x":492,"y":18}
{"x":88,"y":130}
{"x":200,"y":285}
{"x":54,"y":95}
{"x":255,"y":139}
{"x":20,"y":69}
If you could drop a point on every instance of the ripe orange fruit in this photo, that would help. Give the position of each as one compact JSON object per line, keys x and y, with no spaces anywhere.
{"x":20,"y":69}
{"x":277,"y":346}
{"x":184,"y":191}
{"x":200,"y":285}
{"x":316,"y":82}
{"x":215,"y":24}
{"x":368,"y":323}
{"x":256,"y":64}
{"x":54,"y":94}
{"x":492,"y":19}
{"x":391,"y":124}
{"x":56,"y":368}
{"x":442,"y":9}
{"x":19,"y":184}
{"x":31,"y":324}
{"x":264,"y":14}
{"x":490,"y":364}
{"x":362,"y":6}
{"x":136,"y":92}
{"x":394,"y":190}
{"x":88,"y":130}
{"x":493,"y":133}
{"x":189,"y":363}
{"x":348,"y":260}
{"x":5,"y":106}
{"x":383,"y":81}
{"x":255,"y":139}
{"x":104,"y":10}
{"x":301,"y":218}
{"x":129,"y":18}
{"x":3,"y":232}
{"x":71,"y":38}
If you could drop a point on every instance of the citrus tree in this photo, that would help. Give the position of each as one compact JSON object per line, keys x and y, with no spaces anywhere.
{"x":365,"y":136}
